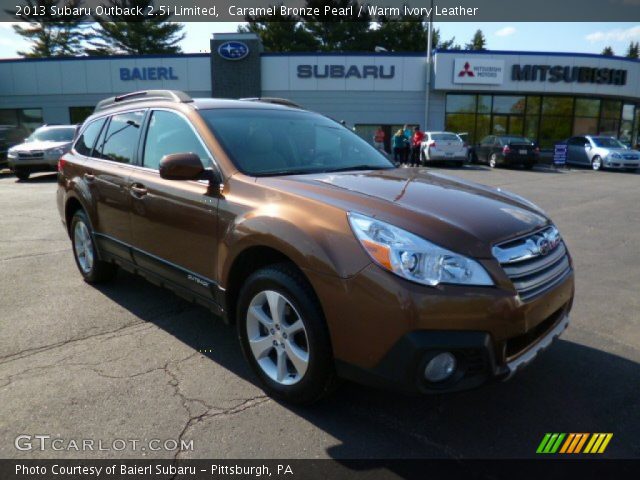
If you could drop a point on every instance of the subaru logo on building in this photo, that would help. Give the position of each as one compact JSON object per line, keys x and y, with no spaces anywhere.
{"x":233,"y":50}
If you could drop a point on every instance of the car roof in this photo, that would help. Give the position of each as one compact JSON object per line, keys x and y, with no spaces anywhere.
{"x":208,"y":103}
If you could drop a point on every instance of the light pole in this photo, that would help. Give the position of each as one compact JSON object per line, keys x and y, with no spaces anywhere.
{"x":429,"y":48}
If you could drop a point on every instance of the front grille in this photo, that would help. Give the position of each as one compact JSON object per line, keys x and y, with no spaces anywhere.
{"x":35,"y":154}
{"x":535,"y":263}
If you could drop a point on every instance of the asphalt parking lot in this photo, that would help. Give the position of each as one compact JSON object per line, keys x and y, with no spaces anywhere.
{"x":131,"y":361}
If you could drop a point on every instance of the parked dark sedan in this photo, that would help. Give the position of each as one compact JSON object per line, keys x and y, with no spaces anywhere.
{"x":496,"y":150}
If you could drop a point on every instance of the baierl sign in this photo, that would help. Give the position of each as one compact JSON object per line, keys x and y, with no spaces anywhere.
{"x":476,"y":71}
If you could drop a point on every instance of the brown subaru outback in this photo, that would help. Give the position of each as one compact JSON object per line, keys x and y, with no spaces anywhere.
{"x":330,"y":261}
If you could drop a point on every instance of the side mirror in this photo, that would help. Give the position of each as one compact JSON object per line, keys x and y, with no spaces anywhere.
{"x":181,"y":166}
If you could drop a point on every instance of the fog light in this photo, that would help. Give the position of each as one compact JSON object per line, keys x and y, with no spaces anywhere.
{"x":440,"y":367}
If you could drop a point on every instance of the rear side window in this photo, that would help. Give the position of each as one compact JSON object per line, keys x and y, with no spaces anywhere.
{"x":120,"y":140}
{"x":169,"y":133}
{"x":86,"y":141}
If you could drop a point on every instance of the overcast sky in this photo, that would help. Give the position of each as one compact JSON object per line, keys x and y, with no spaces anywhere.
{"x":552,"y":37}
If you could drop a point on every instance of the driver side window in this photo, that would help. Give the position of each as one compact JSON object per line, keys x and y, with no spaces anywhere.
{"x":169,"y":133}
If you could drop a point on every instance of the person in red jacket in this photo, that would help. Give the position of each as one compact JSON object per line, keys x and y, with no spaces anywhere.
{"x":416,"y":143}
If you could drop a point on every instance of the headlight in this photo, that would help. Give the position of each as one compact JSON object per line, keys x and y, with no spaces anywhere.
{"x":414,"y":258}
{"x":55,"y":152}
{"x":616,"y":155}
{"x":12,"y":154}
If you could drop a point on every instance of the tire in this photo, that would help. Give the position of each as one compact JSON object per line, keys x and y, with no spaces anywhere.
{"x":23,"y":174}
{"x":596,"y":163}
{"x":493,"y":160}
{"x":303,"y":350}
{"x":85,"y":252}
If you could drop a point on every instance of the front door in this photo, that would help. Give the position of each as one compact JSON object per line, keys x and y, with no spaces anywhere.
{"x":174,"y":221}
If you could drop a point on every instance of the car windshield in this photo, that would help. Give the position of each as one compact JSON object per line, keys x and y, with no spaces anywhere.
{"x":263,"y":142}
{"x":52,"y":135}
{"x":449,"y":137}
{"x":607,"y":142}
{"x":515,"y":140}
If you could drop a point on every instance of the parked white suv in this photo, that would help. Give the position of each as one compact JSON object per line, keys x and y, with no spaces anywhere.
{"x":41,"y":151}
{"x":443,"y":147}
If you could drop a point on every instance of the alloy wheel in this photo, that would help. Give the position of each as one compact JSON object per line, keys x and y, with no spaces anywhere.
{"x":596,"y":163}
{"x":83,"y":246}
{"x":277,"y":337}
{"x":492,"y":160}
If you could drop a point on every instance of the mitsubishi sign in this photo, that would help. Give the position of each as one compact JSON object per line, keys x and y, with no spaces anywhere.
{"x":476,"y":71}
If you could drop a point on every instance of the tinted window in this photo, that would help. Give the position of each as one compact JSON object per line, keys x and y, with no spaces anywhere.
{"x":280,"y":142}
{"x":487,"y":141}
{"x":169,"y":133}
{"x":87,"y":140}
{"x":506,"y":140}
{"x":120,"y":141}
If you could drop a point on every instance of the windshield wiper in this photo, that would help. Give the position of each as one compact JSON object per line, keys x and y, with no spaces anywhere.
{"x":358,"y":167}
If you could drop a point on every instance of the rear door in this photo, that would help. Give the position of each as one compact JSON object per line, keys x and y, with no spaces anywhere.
{"x":174,"y":221}
{"x":108,"y":176}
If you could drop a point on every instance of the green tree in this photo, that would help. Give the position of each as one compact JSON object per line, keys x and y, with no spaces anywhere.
{"x":608,"y":51}
{"x":135,"y":34}
{"x":634,"y":50}
{"x":344,"y":34}
{"x":478,"y":42}
{"x":409,"y":36}
{"x":51,"y":36}
{"x":284,"y":34}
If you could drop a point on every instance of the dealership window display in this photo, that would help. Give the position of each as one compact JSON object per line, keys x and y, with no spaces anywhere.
{"x":547,"y":120}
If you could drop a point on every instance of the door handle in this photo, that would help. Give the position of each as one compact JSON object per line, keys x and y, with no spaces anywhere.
{"x":138,"y":190}
{"x":89,"y":177}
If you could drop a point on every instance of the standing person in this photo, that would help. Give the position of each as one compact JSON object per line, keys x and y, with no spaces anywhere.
{"x":378,"y":139}
{"x":416,"y":145}
{"x":399,"y":141}
{"x":407,"y":148}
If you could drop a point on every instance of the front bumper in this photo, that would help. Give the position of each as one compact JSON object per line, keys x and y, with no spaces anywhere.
{"x":620,"y":163}
{"x":385,"y":329}
{"x":41,"y":163}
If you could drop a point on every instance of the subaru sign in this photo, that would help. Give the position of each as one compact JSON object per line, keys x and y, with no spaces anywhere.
{"x":233,"y":50}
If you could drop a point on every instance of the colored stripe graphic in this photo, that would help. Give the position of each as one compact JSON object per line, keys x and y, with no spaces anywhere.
{"x":573,"y":443}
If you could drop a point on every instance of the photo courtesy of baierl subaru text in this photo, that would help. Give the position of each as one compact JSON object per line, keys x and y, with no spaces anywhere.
{"x":319,"y":239}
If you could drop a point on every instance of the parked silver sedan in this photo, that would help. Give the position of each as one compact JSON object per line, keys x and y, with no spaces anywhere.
{"x":601,"y":152}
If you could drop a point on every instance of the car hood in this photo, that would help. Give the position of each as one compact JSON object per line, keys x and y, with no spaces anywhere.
{"x":31,"y":146}
{"x":463,"y":216}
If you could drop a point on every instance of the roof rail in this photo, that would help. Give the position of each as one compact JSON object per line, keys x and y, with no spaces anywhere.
{"x":176,"y":96}
{"x":274,"y":100}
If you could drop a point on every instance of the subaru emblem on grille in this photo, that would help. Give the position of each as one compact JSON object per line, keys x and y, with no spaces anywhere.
{"x":544,"y":246}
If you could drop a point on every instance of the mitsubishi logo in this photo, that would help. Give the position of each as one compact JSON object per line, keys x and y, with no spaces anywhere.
{"x":466,"y":71}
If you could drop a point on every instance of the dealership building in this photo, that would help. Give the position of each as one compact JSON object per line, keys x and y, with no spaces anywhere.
{"x":544,"y":96}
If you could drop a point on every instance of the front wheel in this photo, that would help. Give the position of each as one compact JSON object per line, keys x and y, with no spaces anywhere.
{"x":283,"y":335}
{"x":596,"y":163}
{"x":23,"y":174}
{"x":493,"y":160}
{"x":93,"y":269}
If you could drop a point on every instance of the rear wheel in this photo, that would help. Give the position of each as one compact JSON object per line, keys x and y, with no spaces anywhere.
{"x":283,"y":335}
{"x":596,"y":163}
{"x":85,"y":253}
{"x":493,"y":160}
{"x":22,"y":174}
